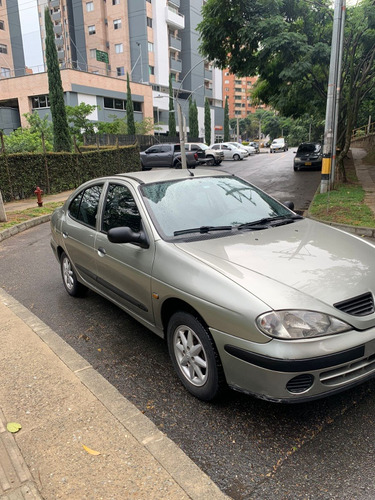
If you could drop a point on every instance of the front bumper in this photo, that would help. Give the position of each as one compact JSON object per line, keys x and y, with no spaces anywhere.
{"x":297,"y":371}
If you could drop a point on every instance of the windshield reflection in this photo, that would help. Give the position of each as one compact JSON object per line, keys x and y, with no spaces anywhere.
{"x":207,"y":201}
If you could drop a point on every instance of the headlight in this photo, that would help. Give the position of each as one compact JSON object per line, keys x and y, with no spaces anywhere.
{"x":299,"y":324}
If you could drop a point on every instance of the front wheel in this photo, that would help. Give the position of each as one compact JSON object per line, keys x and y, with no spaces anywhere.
{"x":71,"y":284}
{"x":236,"y":157}
{"x":210,"y":161}
{"x":194,"y":356}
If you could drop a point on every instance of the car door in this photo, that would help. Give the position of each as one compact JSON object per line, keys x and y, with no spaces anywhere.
{"x":124,"y":269}
{"x":79,"y":231}
{"x":227,"y":152}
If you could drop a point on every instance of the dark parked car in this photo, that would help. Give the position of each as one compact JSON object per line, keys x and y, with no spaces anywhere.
{"x":308,"y":155}
{"x":166,"y":155}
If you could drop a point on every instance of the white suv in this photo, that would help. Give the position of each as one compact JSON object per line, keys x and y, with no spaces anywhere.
{"x":278,"y":145}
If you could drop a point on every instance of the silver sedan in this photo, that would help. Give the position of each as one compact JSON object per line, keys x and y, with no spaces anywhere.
{"x":246,"y":293}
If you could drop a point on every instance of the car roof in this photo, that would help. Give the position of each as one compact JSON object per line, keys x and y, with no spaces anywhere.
{"x":166,"y":174}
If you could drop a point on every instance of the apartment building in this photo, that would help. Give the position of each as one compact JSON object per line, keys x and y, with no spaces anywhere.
{"x":98,"y":42}
{"x":237,"y":90}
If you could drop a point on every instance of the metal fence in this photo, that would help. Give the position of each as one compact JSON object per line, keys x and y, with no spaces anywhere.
{"x":144,"y":141}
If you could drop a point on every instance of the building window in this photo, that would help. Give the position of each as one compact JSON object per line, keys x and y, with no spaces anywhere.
{"x":149,"y":22}
{"x":89,"y":6}
{"x":150,"y":47}
{"x":91,"y":30}
{"x":5,"y":72}
{"x":93,"y":53}
{"x":120,"y":104}
{"x":119,"y":48}
{"x":115,"y":2}
{"x":149,"y":1}
{"x":117,"y":24}
{"x":2,"y":26}
{"x":120,"y":71}
{"x":40,"y":101}
{"x":151,"y":70}
{"x":3,"y":49}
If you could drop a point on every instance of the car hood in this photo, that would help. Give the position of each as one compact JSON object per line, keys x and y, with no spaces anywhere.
{"x":293,"y":265}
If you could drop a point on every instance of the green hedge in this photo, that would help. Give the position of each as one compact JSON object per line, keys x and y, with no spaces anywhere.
{"x":20,"y":173}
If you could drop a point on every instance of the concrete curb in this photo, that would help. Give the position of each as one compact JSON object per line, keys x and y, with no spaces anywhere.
{"x":358,"y":230}
{"x":196,"y":484}
{"x":18,"y":228}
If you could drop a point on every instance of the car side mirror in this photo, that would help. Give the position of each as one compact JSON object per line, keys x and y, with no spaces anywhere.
{"x":289,"y":204}
{"x":127,"y":235}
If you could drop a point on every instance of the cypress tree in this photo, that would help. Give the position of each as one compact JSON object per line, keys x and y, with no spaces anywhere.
{"x":207,"y":122}
{"x":226,"y":121}
{"x":61,"y":134}
{"x":172,"y":119}
{"x":193,"y":120}
{"x":129,"y":109}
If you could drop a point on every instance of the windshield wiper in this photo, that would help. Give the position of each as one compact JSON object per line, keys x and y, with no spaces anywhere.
{"x":202,"y":230}
{"x":262,"y":223}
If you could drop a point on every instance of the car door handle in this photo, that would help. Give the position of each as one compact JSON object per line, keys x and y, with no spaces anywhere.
{"x":101,"y":252}
{"x":65,"y":235}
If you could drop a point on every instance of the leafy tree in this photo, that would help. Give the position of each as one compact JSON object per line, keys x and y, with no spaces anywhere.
{"x":226,"y":121}
{"x":288,"y":44}
{"x":32,"y":138}
{"x":207,"y":122}
{"x":77,"y":117}
{"x":172,"y":119}
{"x":129,"y":109}
{"x":61,"y":135}
{"x":193,"y":119}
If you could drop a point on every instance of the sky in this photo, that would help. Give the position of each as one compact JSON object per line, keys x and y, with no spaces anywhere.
{"x":32,"y":45}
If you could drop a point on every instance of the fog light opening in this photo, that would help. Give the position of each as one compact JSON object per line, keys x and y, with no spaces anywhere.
{"x":300,"y":384}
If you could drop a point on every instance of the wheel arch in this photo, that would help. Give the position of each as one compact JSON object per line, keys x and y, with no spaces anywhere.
{"x":172,"y":305}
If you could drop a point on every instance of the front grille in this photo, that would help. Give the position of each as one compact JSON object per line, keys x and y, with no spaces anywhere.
{"x":362,"y":305}
{"x":348,"y":372}
{"x":299,"y":384}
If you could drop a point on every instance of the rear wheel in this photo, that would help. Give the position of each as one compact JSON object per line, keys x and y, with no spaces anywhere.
{"x":194,"y":356}
{"x":71,"y":284}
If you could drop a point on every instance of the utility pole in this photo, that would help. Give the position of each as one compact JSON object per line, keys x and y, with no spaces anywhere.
{"x":330,"y":130}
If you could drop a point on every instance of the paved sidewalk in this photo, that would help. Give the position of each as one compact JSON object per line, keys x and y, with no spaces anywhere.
{"x":62,"y":403}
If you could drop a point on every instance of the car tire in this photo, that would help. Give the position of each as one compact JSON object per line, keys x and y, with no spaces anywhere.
{"x":177,"y":163}
{"x":201,"y":373}
{"x":236,"y":157}
{"x":210,"y":161}
{"x":71,"y":284}
{"x":218,"y":162}
{"x":296,"y":169}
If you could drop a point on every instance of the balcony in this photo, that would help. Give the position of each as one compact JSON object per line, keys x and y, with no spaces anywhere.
{"x":56,"y":16}
{"x":175,"y":65}
{"x":61,"y":55}
{"x":174,"y":43}
{"x":57,"y":29}
{"x":208,"y":92}
{"x":54,"y":4}
{"x":208,"y":75}
{"x":174,"y":18}
{"x":59,"y":42}
{"x":175,"y":2}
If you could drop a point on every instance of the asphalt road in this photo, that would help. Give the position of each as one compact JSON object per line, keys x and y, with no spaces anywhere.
{"x":252,"y":449}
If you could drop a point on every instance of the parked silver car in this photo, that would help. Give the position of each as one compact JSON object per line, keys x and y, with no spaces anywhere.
{"x":246,"y":292}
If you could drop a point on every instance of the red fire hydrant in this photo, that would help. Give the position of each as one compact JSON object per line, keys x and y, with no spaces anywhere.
{"x":39,"y":193}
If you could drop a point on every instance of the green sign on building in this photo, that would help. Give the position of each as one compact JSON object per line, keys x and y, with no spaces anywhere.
{"x":102,"y":56}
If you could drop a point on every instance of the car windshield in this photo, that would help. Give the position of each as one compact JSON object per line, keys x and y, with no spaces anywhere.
{"x":308,"y":148}
{"x":206,"y":204}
